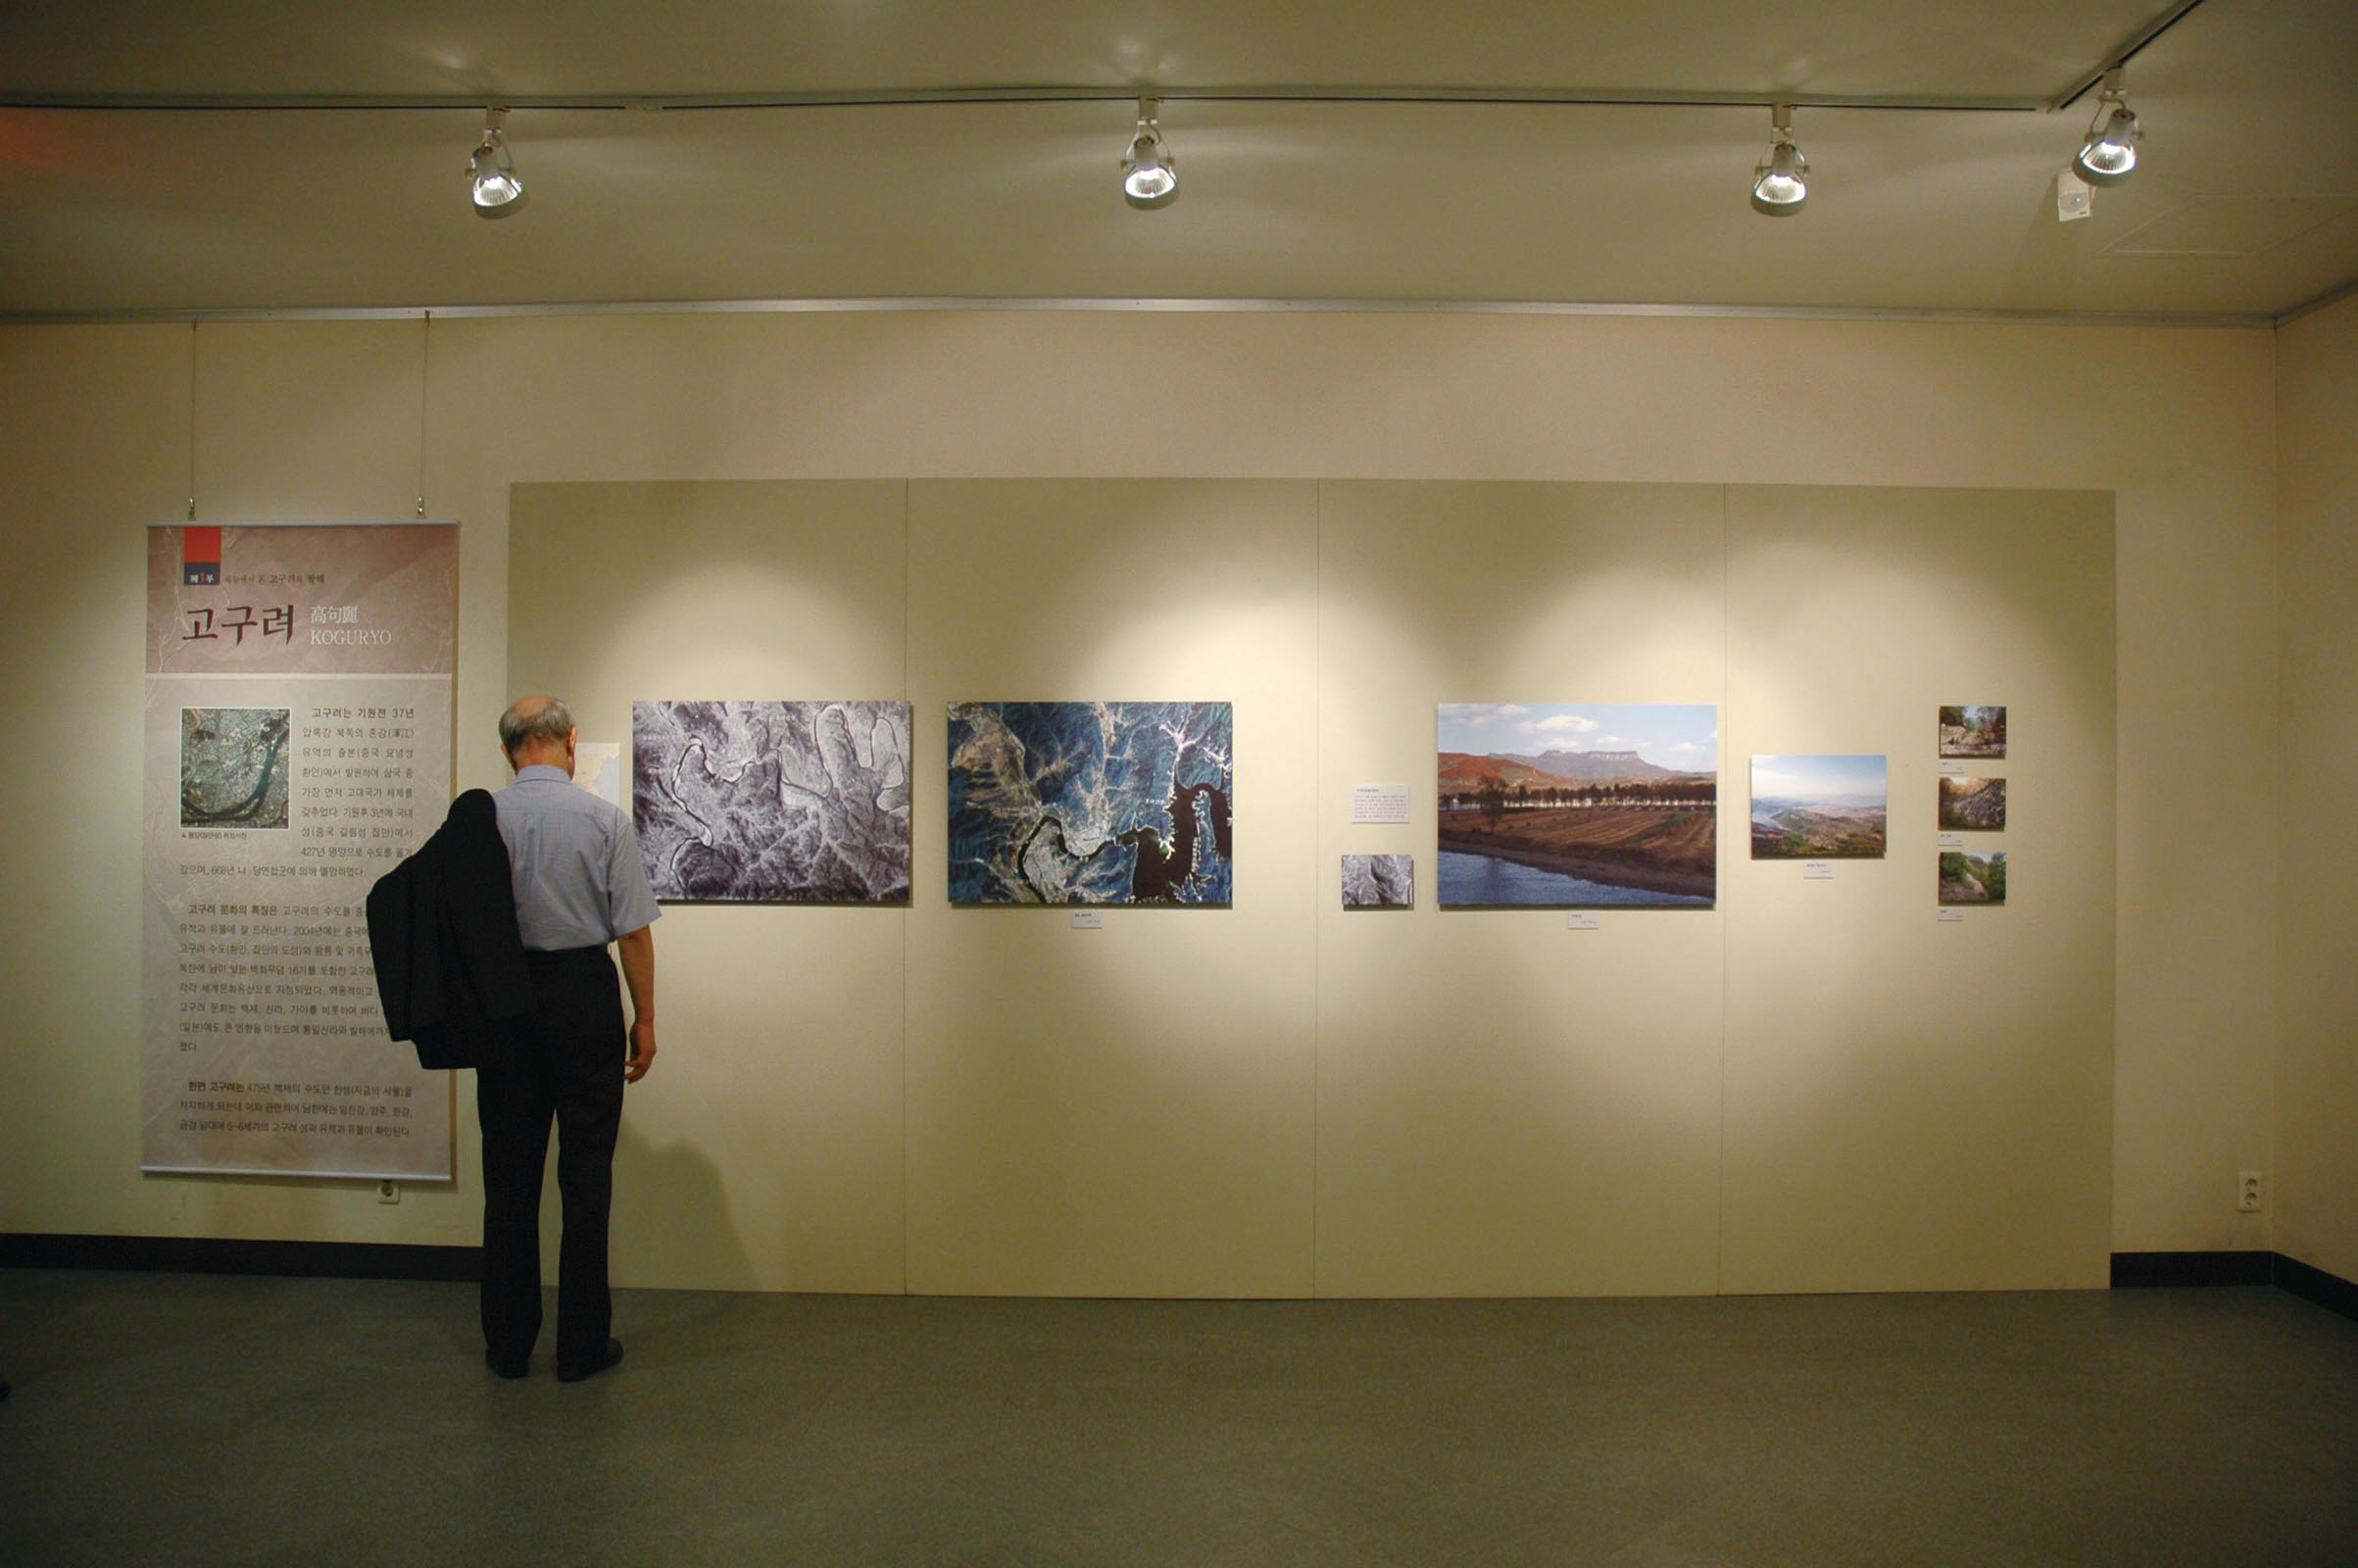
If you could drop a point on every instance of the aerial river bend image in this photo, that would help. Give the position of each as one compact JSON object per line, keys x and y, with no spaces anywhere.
{"x":1091,"y":803}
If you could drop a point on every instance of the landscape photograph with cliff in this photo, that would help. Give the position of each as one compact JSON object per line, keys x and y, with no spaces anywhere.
{"x":1578,"y":805}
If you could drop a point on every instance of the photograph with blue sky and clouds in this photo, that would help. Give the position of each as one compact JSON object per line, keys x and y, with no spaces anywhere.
{"x":1574,"y":805}
{"x":1683,"y":737}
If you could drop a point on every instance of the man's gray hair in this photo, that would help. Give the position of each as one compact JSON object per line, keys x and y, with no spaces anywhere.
{"x":543,"y":718}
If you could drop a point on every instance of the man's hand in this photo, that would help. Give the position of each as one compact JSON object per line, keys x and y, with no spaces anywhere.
{"x":637,"y":948}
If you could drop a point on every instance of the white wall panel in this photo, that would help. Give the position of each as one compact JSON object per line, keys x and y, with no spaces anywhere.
{"x":1910,"y":1100}
{"x":1506,"y":1107}
{"x":1127,"y":1110}
{"x":2315,"y":1207}
{"x":764,"y":1150}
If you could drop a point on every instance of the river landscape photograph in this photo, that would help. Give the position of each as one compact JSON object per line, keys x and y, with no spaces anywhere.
{"x":1829,"y":807}
{"x":1578,"y":806}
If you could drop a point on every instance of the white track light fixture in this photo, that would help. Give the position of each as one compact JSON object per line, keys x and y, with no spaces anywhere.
{"x":491,"y":176}
{"x":2109,"y":155}
{"x":1781,"y":179}
{"x":1149,"y":174}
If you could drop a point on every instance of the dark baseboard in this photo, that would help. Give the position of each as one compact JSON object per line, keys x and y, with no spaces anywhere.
{"x":376,"y":1260}
{"x":2329,"y":1291}
{"x":2139,"y":1271}
{"x":2162,"y":1271}
{"x":206,"y":1254}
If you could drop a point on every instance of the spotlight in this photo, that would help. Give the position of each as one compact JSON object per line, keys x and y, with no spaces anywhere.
{"x":2109,"y":154}
{"x":491,"y":176}
{"x":1150,"y":173}
{"x":1781,"y":179}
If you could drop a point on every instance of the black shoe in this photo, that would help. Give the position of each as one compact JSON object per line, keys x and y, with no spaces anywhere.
{"x":611,"y":1354}
{"x":507,"y":1369}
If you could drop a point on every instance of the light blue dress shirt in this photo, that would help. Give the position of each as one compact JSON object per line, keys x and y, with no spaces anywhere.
{"x":580,"y":880}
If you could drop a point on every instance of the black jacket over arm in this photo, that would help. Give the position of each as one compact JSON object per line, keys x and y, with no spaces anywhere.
{"x":450,"y":967}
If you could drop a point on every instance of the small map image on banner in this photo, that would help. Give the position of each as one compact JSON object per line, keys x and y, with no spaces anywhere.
{"x":233,"y":766}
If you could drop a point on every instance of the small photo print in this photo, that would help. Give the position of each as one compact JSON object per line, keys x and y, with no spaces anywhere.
{"x":1973,"y":878}
{"x":1973,"y":731}
{"x":233,"y":766}
{"x":1379,"y":881}
{"x":1972,"y":803}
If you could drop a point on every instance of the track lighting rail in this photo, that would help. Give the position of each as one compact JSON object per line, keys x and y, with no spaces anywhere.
{"x":2128,"y":51}
{"x":911,"y":97}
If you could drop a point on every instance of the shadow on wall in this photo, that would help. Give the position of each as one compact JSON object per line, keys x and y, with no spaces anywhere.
{"x":671,"y":1224}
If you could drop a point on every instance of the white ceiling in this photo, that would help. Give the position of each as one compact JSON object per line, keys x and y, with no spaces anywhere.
{"x":2246,"y":203}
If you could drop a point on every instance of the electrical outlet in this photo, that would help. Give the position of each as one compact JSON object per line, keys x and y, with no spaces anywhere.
{"x":388,"y":1191}
{"x":2251,"y":1191}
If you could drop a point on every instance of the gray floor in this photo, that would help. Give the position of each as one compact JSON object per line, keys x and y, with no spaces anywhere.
{"x":194,"y":1420}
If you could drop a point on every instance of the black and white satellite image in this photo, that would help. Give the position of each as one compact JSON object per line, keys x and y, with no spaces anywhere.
{"x":776,"y":802}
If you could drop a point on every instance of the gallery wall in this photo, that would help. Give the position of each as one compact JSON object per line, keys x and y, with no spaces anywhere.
{"x":309,"y":421}
{"x":2317,"y":403}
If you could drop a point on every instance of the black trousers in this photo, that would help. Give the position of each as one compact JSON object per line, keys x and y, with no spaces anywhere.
{"x":566,"y":1064}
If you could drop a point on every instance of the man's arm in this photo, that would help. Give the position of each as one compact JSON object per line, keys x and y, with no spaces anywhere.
{"x":637,"y":948}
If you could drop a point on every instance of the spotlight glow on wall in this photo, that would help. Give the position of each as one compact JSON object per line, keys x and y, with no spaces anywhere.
{"x":1150,"y":173}
{"x":1781,"y":179}
{"x":2108,"y":156}
{"x":491,"y":177}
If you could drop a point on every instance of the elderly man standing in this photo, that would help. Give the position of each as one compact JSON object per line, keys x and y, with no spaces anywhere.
{"x":579,"y":884}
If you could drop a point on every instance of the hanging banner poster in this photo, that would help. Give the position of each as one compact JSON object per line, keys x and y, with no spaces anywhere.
{"x":298,"y":689}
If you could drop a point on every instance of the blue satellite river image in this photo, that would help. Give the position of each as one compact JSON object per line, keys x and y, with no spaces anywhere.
{"x":1091,"y":803}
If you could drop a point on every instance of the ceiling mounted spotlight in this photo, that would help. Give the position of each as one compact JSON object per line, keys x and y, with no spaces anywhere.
{"x":1781,"y":179}
{"x":1150,"y":173}
{"x":2109,"y":154}
{"x":491,"y":176}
